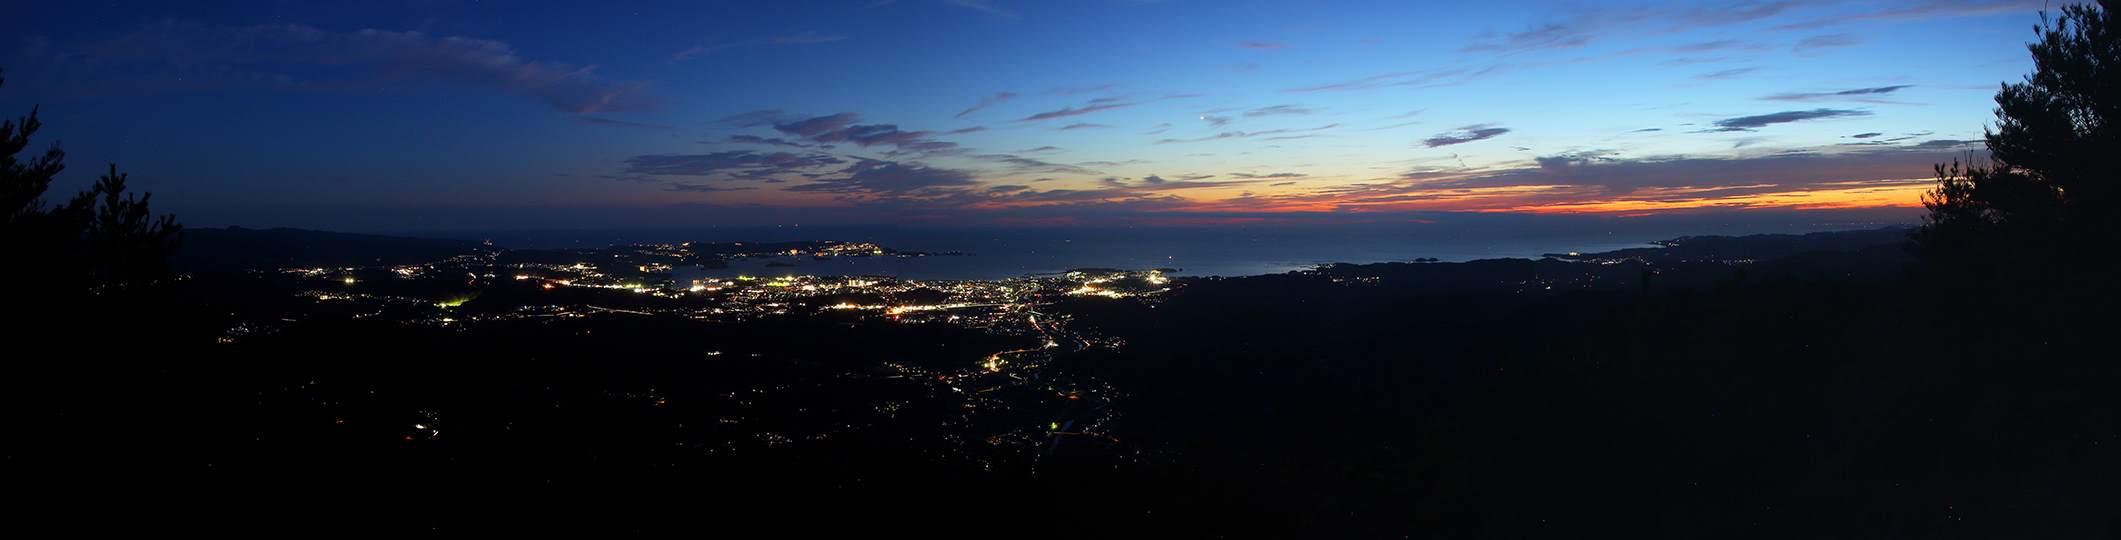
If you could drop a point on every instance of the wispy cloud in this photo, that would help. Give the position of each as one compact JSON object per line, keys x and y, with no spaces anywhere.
{"x":366,"y":60}
{"x":1827,"y":41}
{"x":1891,"y":11}
{"x":1464,"y":135}
{"x":990,"y":101}
{"x":1403,"y":78}
{"x":1750,"y":123}
{"x":1072,"y":111}
{"x":1725,"y":13}
{"x":619,"y":123}
{"x":726,"y":163}
{"x":1248,"y":134}
{"x":982,"y":5}
{"x":1865,"y":95}
{"x":1073,"y":90}
{"x":1260,"y":45}
{"x":1019,"y":164}
{"x":1727,"y":74}
{"x":802,"y":37}
{"x":1278,"y":109}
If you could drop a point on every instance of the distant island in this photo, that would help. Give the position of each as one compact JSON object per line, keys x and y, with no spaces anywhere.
{"x":1758,"y":247}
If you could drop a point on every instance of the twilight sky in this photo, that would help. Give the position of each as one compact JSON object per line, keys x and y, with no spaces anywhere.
{"x":391,"y":115}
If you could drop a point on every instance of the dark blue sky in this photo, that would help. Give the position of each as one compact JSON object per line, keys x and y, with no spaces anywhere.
{"x":462,"y":114}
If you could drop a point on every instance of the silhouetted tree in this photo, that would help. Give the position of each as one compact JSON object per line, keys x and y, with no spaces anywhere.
{"x":21,"y":183}
{"x":2053,"y":148}
{"x":125,"y":248}
{"x":2059,"y":125}
{"x":1972,"y":206}
{"x":102,"y":242}
{"x":45,"y":238}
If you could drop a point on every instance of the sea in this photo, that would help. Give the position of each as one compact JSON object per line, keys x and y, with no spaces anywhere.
{"x":1005,"y":252}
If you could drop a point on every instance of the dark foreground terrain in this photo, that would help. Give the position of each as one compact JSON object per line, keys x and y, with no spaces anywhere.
{"x":1848,"y":393}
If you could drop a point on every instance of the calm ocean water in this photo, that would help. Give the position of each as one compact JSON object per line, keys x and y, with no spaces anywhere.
{"x":995,"y":253}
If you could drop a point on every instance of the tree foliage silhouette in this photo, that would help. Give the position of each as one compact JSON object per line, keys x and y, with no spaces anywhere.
{"x":2052,"y":150}
{"x":103,"y":242}
{"x":125,"y":247}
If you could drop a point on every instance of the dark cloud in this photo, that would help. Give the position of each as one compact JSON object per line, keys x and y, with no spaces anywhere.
{"x":874,"y":177}
{"x":1945,"y":144}
{"x":1865,"y":135}
{"x":1073,"y":203}
{"x":366,"y":60}
{"x":973,"y":129}
{"x":1272,"y":175}
{"x":697,"y":188}
{"x":842,"y":128}
{"x":1869,"y":95}
{"x":1278,"y":184}
{"x":1024,"y":164}
{"x":761,"y":117}
{"x":774,"y":141}
{"x":619,"y":123}
{"x":737,"y":161}
{"x":1464,"y":135}
{"x":1153,"y":179}
{"x":813,"y":127}
{"x":872,"y":135}
{"x":1578,"y":178}
{"x":1748,"y":123}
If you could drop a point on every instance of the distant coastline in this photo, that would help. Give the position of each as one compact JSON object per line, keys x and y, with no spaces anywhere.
{"x":997,"y":253}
